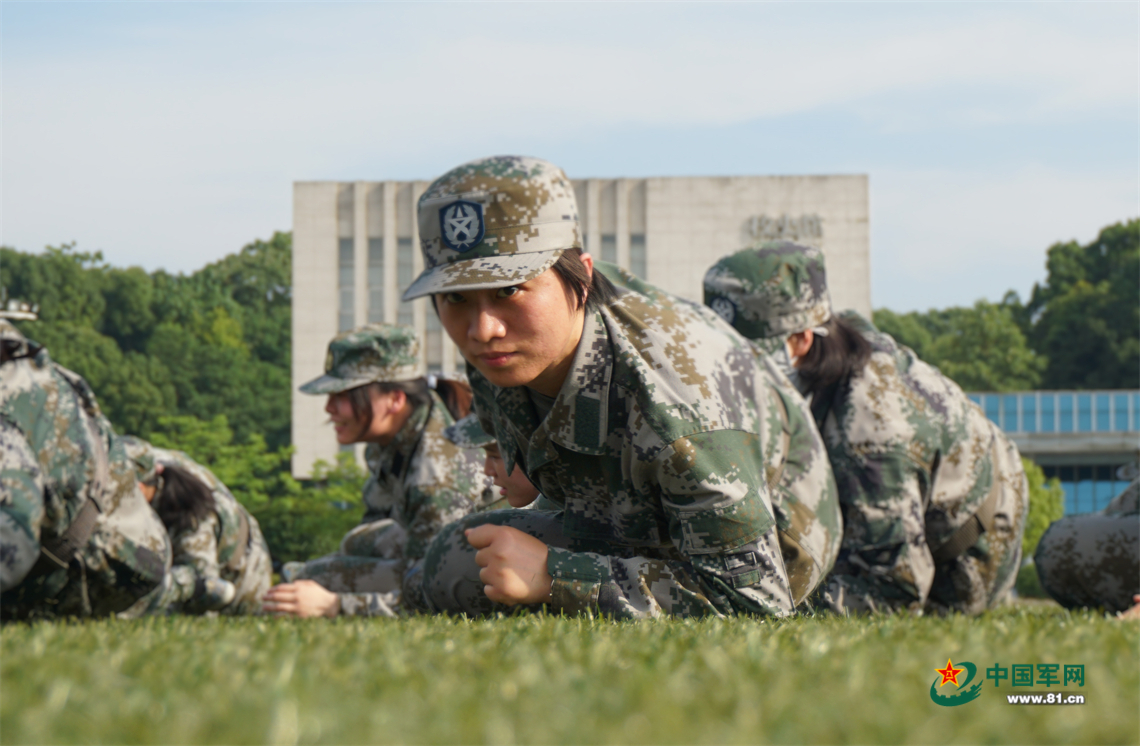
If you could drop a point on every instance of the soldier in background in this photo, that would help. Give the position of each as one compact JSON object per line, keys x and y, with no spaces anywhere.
{"x":1094,"y":559}
{"x":76,"y":535}
{"x":420,"y":481}
{"x":221,"y":560}
{"x":649,"y":424}
{"x":514,"y":488}
{"x":934,"y":495}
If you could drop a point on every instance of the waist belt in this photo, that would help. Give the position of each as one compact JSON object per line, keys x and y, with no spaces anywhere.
{"x":980,"y":522}
{"x":56,"y":554}
{"x":242,"y":548}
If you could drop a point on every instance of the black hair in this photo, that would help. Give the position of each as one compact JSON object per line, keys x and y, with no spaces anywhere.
{"x":456,"y":396}
{"x":834,"y":357}
{"x":595,"y":289}
{"x":183,"y":500}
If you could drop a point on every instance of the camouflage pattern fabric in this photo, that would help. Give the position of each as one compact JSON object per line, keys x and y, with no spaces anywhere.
{"x":773,"y":290}
{"x":469,"y":433}
{"x":58,"y":451}
{"x":914,"y":460}
{"x":493,"y":222}
{"x":374,"y":352}
{"x":803,"y":492}
{"x":419,"y":482}
{"x":212,"y":549}
{"x":657,"y":450}
{"x":1094,"y":559}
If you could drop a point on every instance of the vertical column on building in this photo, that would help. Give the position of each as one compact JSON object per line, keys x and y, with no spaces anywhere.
{"x":360,"y":253}
{"x":594,"y":227}
{"x":606,"y":248}
{"x":376,"y":253}
{"x":638,"y":253}
{"x":430,"y":345}
{"x":405,"y":251}
{"x":346,"y":258}
{"x":391,"y":240}
{"x":621,"y":222}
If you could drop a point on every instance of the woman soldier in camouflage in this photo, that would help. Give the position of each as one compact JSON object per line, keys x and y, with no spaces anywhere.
{"x":221,"y":560}
{"x":934,"y":496}
{"x":420,"y":481}
{"x":648,"y":423}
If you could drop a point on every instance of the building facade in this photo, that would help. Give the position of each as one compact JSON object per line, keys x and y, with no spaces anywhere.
{"x":1089,"y":440}
{"x":356,"y":248}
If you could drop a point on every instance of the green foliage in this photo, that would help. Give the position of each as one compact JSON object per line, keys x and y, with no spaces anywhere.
{"x":215,"y":342}
{"x":545,"y":679}
{"x":1046,"y":504}
{"x":312,"y":522}
{"x":980,"y":348}
{"x":1080,"y":330}
{"x":1028,"y":584}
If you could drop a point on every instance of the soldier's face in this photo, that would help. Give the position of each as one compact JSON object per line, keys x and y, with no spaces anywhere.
{"x":515,"y":487}
{"x":522,"y":335}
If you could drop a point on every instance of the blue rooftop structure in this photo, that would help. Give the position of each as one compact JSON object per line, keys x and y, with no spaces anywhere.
{"x":1090,"y":440}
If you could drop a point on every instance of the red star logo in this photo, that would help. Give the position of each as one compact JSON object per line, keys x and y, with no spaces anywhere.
{"x":949,"y":674}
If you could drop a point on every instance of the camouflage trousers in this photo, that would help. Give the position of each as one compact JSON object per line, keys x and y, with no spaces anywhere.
{"x":370,"y":560}
{"x":978,"y":579}
{"x":1091,"y":560}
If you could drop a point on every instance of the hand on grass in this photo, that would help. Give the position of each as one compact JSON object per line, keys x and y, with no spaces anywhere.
{"x":301,"y":598}
{"x":513,"y":562}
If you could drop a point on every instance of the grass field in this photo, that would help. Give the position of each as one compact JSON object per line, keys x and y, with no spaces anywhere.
{"x":553,"y":680}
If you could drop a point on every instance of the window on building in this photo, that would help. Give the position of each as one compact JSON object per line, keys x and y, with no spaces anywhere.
{"x":1066,"y":409}
{"x":1029,"y":413}
{"x":346,"y":264}
{"x":1048,"y":413}
{"x":434,"y":342}
{"x":637,"y":257}
{"x":1009,"y":414}
{"x":1103,"y":413}
{"x":609,"y":248}
{"x":1120,"y":412}
{"x":405,"y":273}
{"x":992,"y":409}
{"x":1084,"y":413}
{"x":1087,"y":488}
{"x":375,"y":280}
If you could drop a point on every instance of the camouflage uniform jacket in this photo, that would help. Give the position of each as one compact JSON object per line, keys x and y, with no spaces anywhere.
{"x":212,"y":549}
{"x":913,"y":459}
{"x":656,"y":449}
{"x":57,"y":451}
{"x":803,"y":492}
{"x":422,"y":481}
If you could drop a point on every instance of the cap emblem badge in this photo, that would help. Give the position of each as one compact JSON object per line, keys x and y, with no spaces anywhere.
{"x":461,"y":225}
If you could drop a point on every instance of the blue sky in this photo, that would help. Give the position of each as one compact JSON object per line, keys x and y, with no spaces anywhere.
{"x":169,"y":134}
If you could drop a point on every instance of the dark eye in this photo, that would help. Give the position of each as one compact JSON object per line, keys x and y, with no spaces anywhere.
{"x":507,"y":292}
{"x":453,"y":298}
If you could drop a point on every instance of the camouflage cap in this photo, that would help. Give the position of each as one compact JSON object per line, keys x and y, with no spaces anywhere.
{"x":468,"y":433}
{"x":376,"y":352}
{"x":141,"y":454}
{"x":494,"y":222}
{"x":773,"y":290}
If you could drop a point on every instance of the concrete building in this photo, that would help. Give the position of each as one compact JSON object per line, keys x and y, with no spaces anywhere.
{"x":356,"y":247}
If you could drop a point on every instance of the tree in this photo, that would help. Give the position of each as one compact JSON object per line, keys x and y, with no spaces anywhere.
{"x":1086,"y":317}
{"x":980,"y":348}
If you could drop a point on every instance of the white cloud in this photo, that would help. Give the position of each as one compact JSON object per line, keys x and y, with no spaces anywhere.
{"x":182,"y":127}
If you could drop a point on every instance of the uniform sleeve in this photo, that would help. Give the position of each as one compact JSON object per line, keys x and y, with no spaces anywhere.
{"x":198,"y":548}
{"x":21,"y":506}
{"x":430,"y":511}
{"x":727,"y":556}
{"x":884,"y":563}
